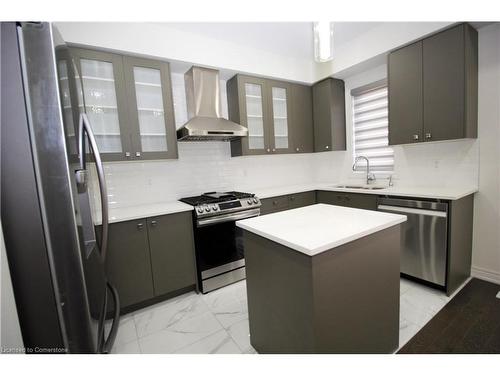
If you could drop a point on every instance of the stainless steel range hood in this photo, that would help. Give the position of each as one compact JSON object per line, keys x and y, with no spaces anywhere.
{"x":204,"y":109}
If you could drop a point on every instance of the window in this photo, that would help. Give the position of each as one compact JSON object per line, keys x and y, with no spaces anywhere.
{"x":370,"y":127}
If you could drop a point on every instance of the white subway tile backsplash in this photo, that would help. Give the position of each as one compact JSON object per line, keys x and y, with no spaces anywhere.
{"x":208,"y":166}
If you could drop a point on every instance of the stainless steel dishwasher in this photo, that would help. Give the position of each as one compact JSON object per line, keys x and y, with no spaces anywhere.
{"x":424,"y":237}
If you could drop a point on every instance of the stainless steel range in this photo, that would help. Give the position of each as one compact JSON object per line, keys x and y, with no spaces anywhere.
{"x":219,"y":251}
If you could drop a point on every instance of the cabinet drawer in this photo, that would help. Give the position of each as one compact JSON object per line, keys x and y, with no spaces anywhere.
{"x":302,"y":199}
{"x":274,"y":204}
{"x":354,"y":200}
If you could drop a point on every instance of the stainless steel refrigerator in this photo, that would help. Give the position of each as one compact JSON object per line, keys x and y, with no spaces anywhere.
{"x":56,"y":263}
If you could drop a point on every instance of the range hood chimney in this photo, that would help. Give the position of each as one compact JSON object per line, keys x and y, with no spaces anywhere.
{"x":204,"y":109}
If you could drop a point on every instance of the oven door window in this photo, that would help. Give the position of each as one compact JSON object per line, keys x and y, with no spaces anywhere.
{"x":218,"y":244}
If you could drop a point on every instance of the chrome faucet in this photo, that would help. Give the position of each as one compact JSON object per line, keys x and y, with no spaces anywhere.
{"x":369,"y":176}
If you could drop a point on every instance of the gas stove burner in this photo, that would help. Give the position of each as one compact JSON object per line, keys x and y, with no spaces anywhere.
{"x":227,"y":195}
{"x":216,"y":197}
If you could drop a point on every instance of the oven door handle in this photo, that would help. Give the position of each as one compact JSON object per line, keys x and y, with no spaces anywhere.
{"x":228,"y":217}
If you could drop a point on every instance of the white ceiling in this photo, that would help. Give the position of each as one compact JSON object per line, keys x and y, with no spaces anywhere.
{"x":292,"y":39}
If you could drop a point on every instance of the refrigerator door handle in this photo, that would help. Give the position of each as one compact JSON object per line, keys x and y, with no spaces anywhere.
{"x":108,"y":342}
{"x":82,"y":180}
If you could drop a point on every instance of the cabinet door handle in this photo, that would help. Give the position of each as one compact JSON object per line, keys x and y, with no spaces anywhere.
{"x":415,"y":137}
{"x":274,"y":150}
{"x":292,"y":198}
{"x":140,"y":226}
{"x":154,"y":223}
{"x":127,"y":154}
{"x":428,"y":135}
{"x":268,"y":150}
{"x":327,"y":147}
{"x":275,"y":202}
{"x":297,"y":149}
{"x":138,"y":154}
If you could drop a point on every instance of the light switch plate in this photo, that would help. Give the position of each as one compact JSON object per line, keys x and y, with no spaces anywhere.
{"x":498,"y":295}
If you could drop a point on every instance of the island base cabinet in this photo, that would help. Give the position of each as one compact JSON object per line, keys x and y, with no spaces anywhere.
{"x":344,"y":300}
{"x":172,"y":257}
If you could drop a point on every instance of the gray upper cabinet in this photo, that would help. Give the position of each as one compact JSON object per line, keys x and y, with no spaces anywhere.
{"x":302,"y":119}
{"x":405,"y":95}
{"x":151,"y":108}
{"x":248,"y":105}
{"x":129,"y":104}
{"x":433,"y":88}
{"x":329,"y":115}
{"x":277,"y":114}
{"x":280,"y":130}
{"x":101,"y":90}
{"x":450,"y":84}
{"x":172,"y":252}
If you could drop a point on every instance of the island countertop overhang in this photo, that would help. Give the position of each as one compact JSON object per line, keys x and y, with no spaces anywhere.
{"x":314,"y":229}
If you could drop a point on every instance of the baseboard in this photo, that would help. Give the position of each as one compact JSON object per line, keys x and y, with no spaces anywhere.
{"x":485,"y":274}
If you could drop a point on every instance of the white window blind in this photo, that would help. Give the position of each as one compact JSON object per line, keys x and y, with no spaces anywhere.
{"x":370,"y":127}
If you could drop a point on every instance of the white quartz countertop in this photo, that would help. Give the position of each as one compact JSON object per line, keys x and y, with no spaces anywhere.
{"x":314,"y":229}
{"x":141,"y":211}
{"x":448,"y":193}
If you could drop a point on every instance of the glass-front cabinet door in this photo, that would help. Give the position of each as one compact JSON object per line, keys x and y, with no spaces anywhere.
{"x":280,"y":120}
{"x":150,"y":106}
{"x":102,"y":94}
{"x":254,"y":96}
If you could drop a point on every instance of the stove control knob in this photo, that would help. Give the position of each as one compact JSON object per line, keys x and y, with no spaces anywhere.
{"x":249,"y":201}
{"x":207,"y":209}
{"x":214,"y":207}
{"x":255,"y":200}
{"x":200,"y":210}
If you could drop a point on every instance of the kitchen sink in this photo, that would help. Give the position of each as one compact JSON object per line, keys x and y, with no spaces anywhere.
{"x":363,"y":187}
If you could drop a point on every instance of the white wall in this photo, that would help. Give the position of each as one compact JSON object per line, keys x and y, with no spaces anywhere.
{"x":162,"y":41}
{"x":167,"y":42}
{"x":486,"y":254}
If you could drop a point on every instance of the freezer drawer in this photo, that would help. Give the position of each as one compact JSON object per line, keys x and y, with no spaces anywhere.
{"x":424,"y":237}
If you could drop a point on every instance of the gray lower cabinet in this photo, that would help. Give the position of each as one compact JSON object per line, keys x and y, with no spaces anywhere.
{"x":150,"y":258}
{"x":329,"y":115}
{"x":354,"y":200}
{"x":274,"y":204}
{"x":172,"y":257}
{"x":128,"y":262}
{"x":433,"y":88}
{"x":286,"y":202}
{"x":301,"y":199}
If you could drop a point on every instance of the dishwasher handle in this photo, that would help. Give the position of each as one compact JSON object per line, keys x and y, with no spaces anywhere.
{"x":408,"y":210}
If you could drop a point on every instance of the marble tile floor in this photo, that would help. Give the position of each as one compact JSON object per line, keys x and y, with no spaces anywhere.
{"x":218,"y":322}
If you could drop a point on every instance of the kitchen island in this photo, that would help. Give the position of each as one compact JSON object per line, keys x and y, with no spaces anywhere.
{"x":323,"y":279}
